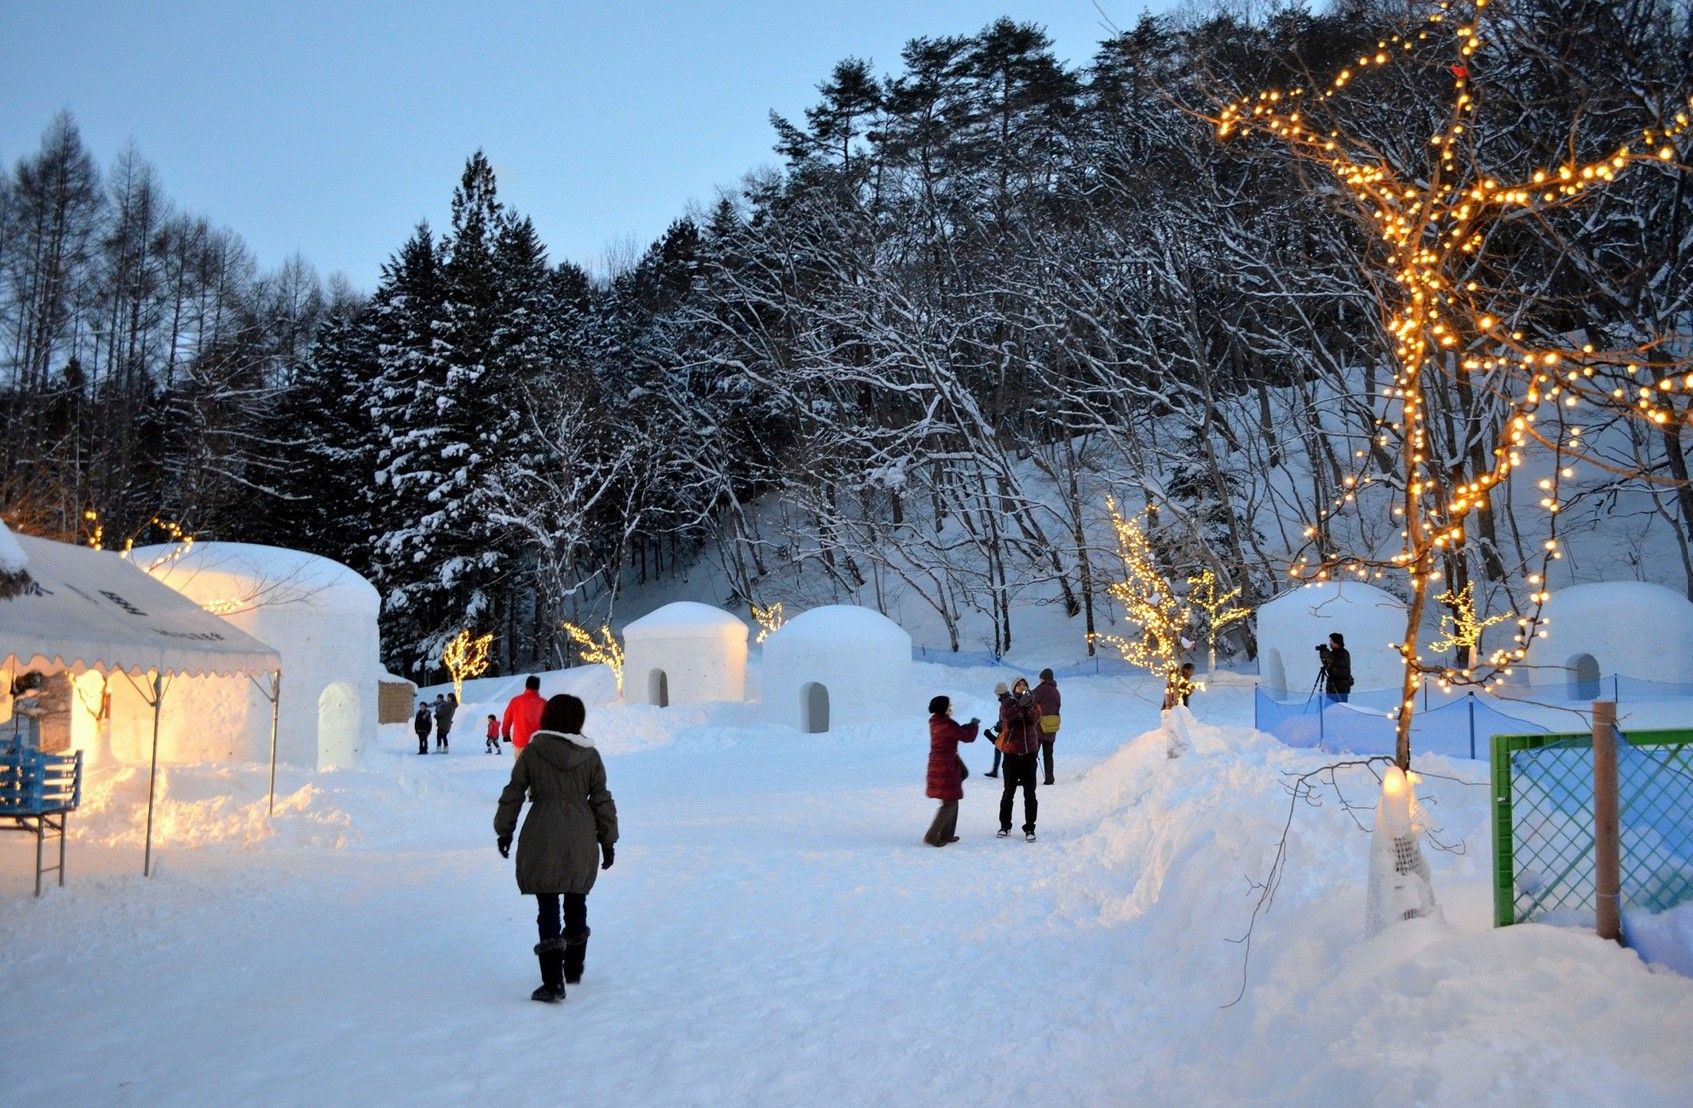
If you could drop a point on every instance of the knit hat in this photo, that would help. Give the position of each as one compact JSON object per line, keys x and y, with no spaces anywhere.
{"x":1001,"y":689}
{"x":938,"y":705}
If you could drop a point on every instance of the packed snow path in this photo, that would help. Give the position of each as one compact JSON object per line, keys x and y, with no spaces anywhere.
{"x":774,"y":932}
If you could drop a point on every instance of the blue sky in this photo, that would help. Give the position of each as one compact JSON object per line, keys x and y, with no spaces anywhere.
{"x":331,"y":128}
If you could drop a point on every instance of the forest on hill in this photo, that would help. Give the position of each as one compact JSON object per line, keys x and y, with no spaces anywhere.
{"x":982,"y":289}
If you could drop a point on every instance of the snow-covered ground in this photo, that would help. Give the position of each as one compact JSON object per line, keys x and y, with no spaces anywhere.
{"x":775,"y":932}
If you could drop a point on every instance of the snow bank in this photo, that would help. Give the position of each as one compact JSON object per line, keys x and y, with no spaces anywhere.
{"x":1662,"y":938}
{"x":12,"y":557}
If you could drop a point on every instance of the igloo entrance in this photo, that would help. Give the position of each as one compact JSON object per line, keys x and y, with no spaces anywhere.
{"x":658,"y":689}
{"x":814,"y":708}
{"x":1584,"y":676}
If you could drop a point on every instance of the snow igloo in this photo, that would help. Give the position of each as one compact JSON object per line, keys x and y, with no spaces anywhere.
{"x":836,"y":666}
{"x":1631,"y":628}
{"x":1292,"y":625}
{"x":318,"y":614}
{"x":685,"y":653}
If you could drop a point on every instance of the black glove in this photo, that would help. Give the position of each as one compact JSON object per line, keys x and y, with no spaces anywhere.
{"x":608,"y":854}
{"x":974,"y":720}
{"x":504,"y":844}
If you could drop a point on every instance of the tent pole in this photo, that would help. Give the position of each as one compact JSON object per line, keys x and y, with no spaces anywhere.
{"x":275,"y":709}
{"x":153,"y":773}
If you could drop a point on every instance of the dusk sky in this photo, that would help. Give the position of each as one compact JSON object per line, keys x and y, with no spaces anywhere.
{"x":331,"y":128}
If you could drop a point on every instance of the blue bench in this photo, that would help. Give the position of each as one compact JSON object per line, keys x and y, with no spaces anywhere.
{"x":37,"y":792}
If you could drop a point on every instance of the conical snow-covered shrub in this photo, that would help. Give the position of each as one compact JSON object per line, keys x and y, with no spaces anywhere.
{"x":1400,"y":885}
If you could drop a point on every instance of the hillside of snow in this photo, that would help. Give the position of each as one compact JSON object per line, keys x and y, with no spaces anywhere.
{"x":775,"y":932}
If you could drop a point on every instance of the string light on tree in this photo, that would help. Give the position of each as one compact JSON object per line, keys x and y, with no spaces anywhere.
{"x":1461,"y":628}
{"x":1150,"y":603}
{"x":768,"y":620}
{"x":466,"y":657}
{"x":1219,"y":614}
{"x":1432,"y":221}
{"x":602,"y":649}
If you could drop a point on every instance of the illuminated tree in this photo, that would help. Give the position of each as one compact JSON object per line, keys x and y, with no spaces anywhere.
{"x":601,"y":649}
{"x":1461,"y":628}
{"x":768,"y":619}
{"x":1438,"y":217}
{"x":466,"y":657}
{"x":1151,"y":604}
{"x":1218,"y":609}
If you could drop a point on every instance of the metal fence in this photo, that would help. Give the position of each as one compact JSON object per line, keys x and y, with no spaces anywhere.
{"x":1543,"y":825}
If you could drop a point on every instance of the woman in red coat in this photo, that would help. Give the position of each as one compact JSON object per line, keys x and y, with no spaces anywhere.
{"x":946,"y":768}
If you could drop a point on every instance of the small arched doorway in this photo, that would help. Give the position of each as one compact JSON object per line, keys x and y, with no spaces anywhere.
{"x":814,"y":708}
{"x":337,"y":726}
{"x":1584,"y":676}
{"x":658,"y":689}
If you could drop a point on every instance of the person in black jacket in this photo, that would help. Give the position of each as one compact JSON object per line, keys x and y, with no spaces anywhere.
{"x":421,"y":723}
{"x":1337,"y":668}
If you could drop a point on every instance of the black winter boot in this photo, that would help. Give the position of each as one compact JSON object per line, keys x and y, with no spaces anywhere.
{"x":552,"y":972}
{"x":575,"y":954}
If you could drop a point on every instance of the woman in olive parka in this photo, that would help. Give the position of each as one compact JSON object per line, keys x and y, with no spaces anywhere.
{"x":566,"y":840}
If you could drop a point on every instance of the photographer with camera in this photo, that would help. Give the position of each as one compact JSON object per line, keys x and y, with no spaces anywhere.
{"x":1336,"y":674}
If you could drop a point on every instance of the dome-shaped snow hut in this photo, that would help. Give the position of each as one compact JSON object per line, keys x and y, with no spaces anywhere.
{"x":1291,"y":626}
{"x":836,"y":666}
{"x":318,"y":614}
{"x":685,"y":653}
{"x":1630,"y":628}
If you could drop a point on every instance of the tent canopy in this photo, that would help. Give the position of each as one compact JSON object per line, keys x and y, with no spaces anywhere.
{"x":91,"y":609}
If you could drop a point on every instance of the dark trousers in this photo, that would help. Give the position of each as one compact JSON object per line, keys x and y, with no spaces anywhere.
{"x":1019,"y":772}
{"x":996,"y":757}
{"x":575,"y":915}
{"x":440,"y":737}
{"x":423,"y":742}
{"x":1046,"y":758}
{"x":945,"y":826}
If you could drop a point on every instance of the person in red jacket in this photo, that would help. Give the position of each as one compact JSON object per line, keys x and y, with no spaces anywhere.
{"x":1046,"y":695}
{"x":523,"y":714}
{"x":946,"y":768}
{"x":1019,"y":738}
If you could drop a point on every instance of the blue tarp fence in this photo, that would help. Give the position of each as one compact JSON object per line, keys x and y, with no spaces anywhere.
{"x":1458,"y":728}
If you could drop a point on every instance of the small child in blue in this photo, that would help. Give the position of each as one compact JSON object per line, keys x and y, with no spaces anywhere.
{"x":492,"y":746}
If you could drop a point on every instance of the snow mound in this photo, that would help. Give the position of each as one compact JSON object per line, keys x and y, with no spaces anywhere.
{"x":204,"y":805}
{"x":12,"y":556}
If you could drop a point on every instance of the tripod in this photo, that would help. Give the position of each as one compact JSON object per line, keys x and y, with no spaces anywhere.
{"x":1316,"y":686}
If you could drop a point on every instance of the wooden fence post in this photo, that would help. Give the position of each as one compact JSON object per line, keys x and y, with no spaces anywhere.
{"x":1607,"y":857}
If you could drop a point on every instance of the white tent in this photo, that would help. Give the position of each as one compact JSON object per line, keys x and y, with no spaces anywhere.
{"x":317,"y":614}
{"x":93,"y":610}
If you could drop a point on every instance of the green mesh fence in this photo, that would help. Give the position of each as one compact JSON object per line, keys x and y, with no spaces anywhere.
{"x":1543,"y":824}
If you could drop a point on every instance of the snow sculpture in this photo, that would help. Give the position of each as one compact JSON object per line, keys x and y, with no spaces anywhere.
{"x":1291,"y":626}
{"x":1629,"y":627}
{"x":685,"y":653}
{"x":1401,"y":886}
{"x":318,"y":614}
{"x":836,"y":666}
